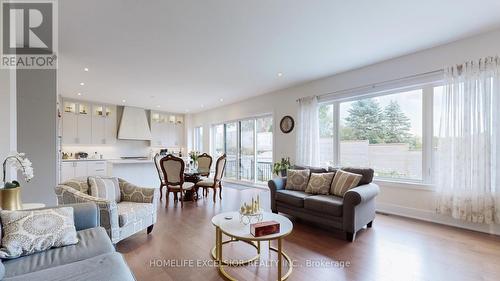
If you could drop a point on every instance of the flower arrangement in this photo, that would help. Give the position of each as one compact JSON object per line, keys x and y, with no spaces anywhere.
{"x":194,"y":156}
{"x":282,"y":166}
{"x":20,"y":163}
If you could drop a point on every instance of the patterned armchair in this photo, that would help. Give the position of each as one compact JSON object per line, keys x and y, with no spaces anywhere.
{"x":135,"y":211}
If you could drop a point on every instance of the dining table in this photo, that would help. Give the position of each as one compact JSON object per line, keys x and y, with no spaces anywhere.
{"x":191,"y":175}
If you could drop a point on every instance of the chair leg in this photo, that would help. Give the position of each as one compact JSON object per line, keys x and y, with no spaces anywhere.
{"x":215,"y":193}
{"x":182,"y":198}
{"x":150,"y":228}
{"x":161,"y":193}
{"x":370,"y":224}
{"x":220,"y":191}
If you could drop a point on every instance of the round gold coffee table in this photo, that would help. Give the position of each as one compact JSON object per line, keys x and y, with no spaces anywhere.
{"x":237,"y":231}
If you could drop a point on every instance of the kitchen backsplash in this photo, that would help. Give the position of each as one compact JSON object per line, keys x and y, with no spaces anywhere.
{"x":115,"y":151}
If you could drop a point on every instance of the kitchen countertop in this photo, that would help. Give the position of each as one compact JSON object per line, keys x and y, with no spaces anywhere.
{"x":112,"y":161}
{"x":88,"y":159}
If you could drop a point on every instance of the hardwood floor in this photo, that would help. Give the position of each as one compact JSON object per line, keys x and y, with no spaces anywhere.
{"x":394,"y":249}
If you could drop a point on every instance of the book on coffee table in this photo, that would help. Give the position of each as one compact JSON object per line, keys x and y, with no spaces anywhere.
{"x":264,"y":228}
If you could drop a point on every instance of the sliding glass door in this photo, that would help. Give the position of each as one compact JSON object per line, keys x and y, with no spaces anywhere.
{"x":231,"y":143}
{"x":248,"y":145}
{"x":247,"y":150}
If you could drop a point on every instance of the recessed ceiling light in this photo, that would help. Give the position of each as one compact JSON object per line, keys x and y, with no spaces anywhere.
{"x":82,"y":84}
{"x":187,"y":110}
{"x":158,"y":106}
{"x":221,"y":100}
{"x":202,"y":106}
{"x":124,"y":101}
{"x":79,"y":94}
{"x":280,"y":74}
{"x":86,"y":69}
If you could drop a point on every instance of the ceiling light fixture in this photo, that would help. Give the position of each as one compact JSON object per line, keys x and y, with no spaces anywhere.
{"x":86,"y":69}
{"x":202,"y":106}
{"x":280,"y":74}
{"x":221,"y":100}
{"x":124,"y":101}
{"x":82,"y":84}
{"x":158,"y":106}
{"x":79,"y":94}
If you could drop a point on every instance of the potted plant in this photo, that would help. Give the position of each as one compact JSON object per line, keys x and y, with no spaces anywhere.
{"x":10,"y":194}
{"x":279,"y":168}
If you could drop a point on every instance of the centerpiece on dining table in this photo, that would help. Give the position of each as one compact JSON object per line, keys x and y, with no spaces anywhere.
{"x":194,"y":155}
{"x":251,"y":212}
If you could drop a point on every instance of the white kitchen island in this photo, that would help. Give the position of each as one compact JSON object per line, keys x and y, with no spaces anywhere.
{"x":136,"y":171}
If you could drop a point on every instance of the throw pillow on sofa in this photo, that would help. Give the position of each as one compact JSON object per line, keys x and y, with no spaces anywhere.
{"x":28,"y":232}
{"x":105,"y":188}
{"x":320,"y":183}
{"x":297,"y":179}
{"x":343,"y":181}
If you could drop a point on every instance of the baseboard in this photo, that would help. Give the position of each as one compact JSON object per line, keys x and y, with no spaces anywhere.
{"x":430,"y":216}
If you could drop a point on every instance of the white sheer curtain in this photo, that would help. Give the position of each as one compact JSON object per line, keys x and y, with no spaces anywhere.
{"x":468,"y":154}
{"x":308,"y":132}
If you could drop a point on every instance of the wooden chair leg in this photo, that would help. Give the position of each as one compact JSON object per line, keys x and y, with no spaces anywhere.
{"x":167,"y":197}
{"x":182,"y":198}
{"x":220,"y":191}
{"x":215,"y":193}
{"x":161,"y":193}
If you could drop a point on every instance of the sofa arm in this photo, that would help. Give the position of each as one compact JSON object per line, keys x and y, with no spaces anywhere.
{"x":133,"y":193}
{"x":359,"y":207}
{"x":108,"y":214}
{"x":274,"y":185}
{"x":360,"y":194}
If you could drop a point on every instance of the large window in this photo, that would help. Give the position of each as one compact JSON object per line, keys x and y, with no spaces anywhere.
{"x":198,"y":139}
{"x":248,"y":147}
{"x":390,"y":132}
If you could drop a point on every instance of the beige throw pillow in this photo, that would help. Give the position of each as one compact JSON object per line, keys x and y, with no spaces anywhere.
{"x":319,"y":183}
{"x":105,"y":188}
{"x":297,"y":179}
{"x":343,"y":181}
{"x":28,"y":232}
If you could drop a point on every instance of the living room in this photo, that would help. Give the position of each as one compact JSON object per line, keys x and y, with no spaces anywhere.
{"x":252,"y":141}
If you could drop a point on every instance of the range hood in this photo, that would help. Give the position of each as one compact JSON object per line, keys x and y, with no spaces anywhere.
{"x":134,"y":124}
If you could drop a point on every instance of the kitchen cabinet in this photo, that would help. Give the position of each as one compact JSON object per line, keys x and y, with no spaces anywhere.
{"x":77,"y":123}
{"x":167,"y":130}
{"x":84,"y":168}
{"x":103,"y":124}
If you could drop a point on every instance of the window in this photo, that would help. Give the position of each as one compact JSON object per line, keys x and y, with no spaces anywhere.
{"x":248,"y":147}
{"x":390,"y":132}
{"x":198,"y":139}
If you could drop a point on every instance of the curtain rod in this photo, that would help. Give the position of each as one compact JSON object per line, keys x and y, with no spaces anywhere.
{"x":378,"y":84}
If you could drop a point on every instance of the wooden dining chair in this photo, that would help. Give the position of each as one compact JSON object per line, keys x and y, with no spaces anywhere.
{"x":216,"y":181}
{"x":173,"y":172}
{"x":163,"y":184}
{"x":204,"y":164}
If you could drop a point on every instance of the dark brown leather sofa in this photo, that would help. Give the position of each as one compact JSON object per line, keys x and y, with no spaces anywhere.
{"x":349,"y":214}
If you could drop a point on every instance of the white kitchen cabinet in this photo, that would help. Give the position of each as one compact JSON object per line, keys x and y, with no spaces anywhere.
{"x":84,"y":168}
{"x":103,"y":124}
{"x":77,"y":123}
{"x":167,"y":130}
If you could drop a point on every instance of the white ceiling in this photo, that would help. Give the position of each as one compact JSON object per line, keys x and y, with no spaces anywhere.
{"x":185,"y":54}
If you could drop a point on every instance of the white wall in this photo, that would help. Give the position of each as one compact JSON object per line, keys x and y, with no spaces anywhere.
{"x":412,"y":201}
{"x":7,"y":113}
{"x":37,"y":132}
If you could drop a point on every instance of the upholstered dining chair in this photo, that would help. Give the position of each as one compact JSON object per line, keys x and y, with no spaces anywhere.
{"x":173,"y":172}
{"x":163,"y":184}
{"x":204,"y":164}
{"x":216,"y":181}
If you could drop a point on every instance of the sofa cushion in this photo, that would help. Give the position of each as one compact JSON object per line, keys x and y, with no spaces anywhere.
{"x":366,"y":173}
{"x":297,"y":179}
{"x":105,"y":188}
{"x":30,"y":231}
{"x":80,"y":184}
{"x":343,"y":181}
{"x":317,"y":170}
{"x":292,"y":197}
{"x":319,"y":183}
{"x":326,"y":204}
{"x":129,"y":212}
{"x":109,"y":267}
{"x":91,"y":242}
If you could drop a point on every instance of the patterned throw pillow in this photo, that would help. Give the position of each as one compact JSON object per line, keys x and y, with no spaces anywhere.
{"x":105,"y":188}
{"x":319,"y":183}
{"x":343,"y":181}
{"x":297,"y":179}
{"x":28,"y":232}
